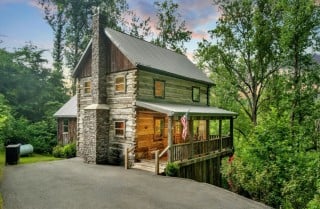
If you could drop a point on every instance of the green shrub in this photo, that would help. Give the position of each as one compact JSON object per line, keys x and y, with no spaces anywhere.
{"x":172,"y":169}
{"x":58,"y":151}
{"x":69,"y":150}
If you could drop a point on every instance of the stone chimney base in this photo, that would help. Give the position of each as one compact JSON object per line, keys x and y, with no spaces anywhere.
{"x":96,"y":134}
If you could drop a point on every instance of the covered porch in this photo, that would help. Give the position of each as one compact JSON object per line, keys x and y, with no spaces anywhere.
{"x":209,"y":133}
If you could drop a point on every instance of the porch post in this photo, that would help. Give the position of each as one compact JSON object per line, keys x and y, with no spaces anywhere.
{"x":170,"y":153}
{"x":231,"y":132}
{"x":220,"y":134}
{"x":190,"y":128}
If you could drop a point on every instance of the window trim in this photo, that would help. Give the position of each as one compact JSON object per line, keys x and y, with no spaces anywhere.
{"x":87,"y":89}
{"x":65,"y":124}
{"x":124,"y":128}
{"x":154,"y":88}
{"x":193,"y":94}
{"x":155,"y":137}
{"x":117,"y":84}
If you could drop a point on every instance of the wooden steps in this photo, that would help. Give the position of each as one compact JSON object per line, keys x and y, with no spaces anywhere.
{"x":149,"y":165}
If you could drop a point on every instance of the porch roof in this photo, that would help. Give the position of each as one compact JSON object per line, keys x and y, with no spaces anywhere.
{"x":181,"y":109}
{"x":68,"y":110}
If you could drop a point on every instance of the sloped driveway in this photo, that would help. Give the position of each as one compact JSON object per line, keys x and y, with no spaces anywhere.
{"x":72,"y":184}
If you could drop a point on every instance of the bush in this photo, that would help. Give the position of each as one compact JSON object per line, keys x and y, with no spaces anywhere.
{"x":172,"y":169}
{"x":58,"y":151}
{"x":67,"y":151}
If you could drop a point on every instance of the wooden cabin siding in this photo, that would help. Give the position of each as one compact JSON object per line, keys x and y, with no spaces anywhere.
{"x":176,"y":90}
{"x":145,"y":140}
{"x":86,"y":69}
{"x":118,"y":61}
{"x":72,"y":130}
{"x":122,"y":108}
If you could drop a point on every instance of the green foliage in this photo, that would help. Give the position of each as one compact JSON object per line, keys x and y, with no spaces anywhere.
{"x":315,"y":202}
{"x":71,"y":23}
{"x":31,"y":95}
{"x":273,"y":167}
{"x":67,"y":151}
{"x":172,"y":169}
{"x":57,"y":151}
{"x":172,"y":32}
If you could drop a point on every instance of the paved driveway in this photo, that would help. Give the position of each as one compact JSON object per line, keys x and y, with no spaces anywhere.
{"x":73,"y":184}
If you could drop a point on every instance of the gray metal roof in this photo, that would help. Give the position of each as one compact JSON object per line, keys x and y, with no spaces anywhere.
{"x":143,"y":53}
{"x":180,"y":109}
{"x":68,"y":110}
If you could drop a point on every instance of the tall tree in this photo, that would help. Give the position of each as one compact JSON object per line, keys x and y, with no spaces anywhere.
{"x":57,"y":21}
{"x":300,"y":22}
{"x":72,"y":18}
{"x":137,"y":27}
{"x":172,"y":31}
{"x":243,"y":51}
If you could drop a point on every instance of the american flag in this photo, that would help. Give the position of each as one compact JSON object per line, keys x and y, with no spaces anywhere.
{"x":184,"y":121}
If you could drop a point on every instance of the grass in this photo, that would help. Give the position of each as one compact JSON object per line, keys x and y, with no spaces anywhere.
{"x":34,"y":158}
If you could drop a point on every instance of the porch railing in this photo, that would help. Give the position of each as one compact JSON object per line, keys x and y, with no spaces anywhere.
{"x":196,"y":148}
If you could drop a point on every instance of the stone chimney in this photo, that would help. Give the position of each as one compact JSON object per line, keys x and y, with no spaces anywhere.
{"x":96,"y":115}
{"x":99,"y":59}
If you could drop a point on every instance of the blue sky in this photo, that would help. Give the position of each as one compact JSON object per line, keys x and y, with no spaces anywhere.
{"x":22,"y":21}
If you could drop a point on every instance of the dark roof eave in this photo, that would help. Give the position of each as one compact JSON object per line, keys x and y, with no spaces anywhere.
{"x":65,"y":116}
{"x":154,"y":70}
{"x":82,"y":58}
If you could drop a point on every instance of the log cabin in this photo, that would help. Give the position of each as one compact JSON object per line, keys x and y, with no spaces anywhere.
{"x":131,"y":96}
{"x":67,"y":122}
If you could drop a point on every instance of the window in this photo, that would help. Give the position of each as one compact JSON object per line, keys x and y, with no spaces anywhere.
{"x":87,"y":87}
{"x":158,"y":128}
{"x":120,"y":84}
{"x":65,"y":126}
{"x":177,"y":127}
{"x":159,"y":88}
{"x":195,"y":94}
{"x":119,"y":127}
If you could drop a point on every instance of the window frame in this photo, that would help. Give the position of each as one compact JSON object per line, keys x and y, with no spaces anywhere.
{"x":123,"y":129}
{"x":118,"y":84}
{"x":177,"y":127}
{"x":65,"y":125}
{"x":162,"y":128}
{"x":193,"y":94}
{"x":154,"y":88}
{"x":87,"y":88}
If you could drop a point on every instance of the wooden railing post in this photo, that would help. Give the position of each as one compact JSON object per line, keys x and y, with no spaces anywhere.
{"x":220,"y":134}
{"x":231,"y":132}
{"x":170,"y":156}
{"x":126,"y":158}
{"x":157,"y":162}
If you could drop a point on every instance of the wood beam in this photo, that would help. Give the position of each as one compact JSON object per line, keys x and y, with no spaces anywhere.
{"x":170,"y":142}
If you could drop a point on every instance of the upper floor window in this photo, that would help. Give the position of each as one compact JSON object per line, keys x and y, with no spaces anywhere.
{"x":119,"y":127}
{"x":195,"y":94}
{"x":159,"y":87}
{"x":87,"y":87}
{"x":120,"y":84}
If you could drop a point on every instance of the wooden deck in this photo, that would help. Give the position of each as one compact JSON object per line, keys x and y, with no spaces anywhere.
{"x":149,"y":165}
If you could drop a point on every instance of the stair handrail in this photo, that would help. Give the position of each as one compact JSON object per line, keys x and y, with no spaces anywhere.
{"x":126,"y":157}
{"x":157,"y":156}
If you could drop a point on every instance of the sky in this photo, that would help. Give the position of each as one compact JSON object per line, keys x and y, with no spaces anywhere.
{"x":21,"y":21}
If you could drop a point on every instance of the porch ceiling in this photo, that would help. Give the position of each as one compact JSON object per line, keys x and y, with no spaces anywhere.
{"x":181,"y":109}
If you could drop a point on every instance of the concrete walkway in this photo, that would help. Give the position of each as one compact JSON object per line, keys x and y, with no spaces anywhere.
{"x":72,"y":184}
